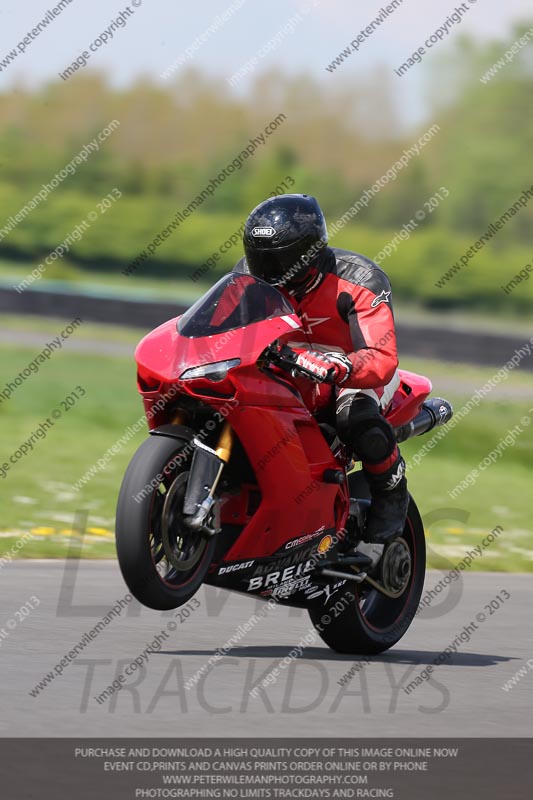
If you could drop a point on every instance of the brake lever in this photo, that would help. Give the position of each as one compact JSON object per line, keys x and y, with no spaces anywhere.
{"x":274,"y":356}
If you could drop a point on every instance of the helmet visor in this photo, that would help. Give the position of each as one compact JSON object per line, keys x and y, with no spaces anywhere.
{"x":277,"y":267}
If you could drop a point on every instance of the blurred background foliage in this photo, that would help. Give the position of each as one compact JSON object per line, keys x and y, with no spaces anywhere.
{"x":341,"y":134}
{"x":338,"y":139}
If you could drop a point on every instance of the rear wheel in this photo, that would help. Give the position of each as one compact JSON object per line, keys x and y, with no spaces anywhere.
{"x":161,"y":560}
{"x":359,"y":619}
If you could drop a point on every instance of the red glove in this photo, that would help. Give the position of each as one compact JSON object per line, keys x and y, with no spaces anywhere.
{"x":330,"y":367}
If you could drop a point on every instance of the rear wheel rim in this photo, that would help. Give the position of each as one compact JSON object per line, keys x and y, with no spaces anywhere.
{"x":378,"y":613}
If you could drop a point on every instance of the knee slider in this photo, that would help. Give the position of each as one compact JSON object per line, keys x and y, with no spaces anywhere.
{"x":361,"y":426}
{"x":373,"y":444}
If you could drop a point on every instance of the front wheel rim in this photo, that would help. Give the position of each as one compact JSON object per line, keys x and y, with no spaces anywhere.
{"x":175,"y":550}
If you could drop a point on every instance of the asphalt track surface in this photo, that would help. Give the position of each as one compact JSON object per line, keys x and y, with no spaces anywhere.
{"x":463,"y":698}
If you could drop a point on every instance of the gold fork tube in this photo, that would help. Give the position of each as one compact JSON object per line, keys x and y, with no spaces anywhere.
{"x":225,"y":443}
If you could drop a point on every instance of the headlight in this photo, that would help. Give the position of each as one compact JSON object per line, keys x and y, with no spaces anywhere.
{"x":213,"y":372}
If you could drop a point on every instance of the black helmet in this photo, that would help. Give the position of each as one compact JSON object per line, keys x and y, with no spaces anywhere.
{"x":283,"y":239}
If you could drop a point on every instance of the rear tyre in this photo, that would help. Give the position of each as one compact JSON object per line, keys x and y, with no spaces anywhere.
{"x":359,"y":619}
{"x":163,"y":563}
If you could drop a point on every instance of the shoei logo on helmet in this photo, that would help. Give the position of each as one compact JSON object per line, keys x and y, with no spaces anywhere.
{"x":263,"y":232}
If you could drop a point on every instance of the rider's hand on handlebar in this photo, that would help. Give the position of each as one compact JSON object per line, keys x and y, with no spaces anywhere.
{"x":326,"y":367}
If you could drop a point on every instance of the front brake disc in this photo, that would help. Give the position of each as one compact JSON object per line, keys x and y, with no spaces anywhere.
{"x":183,"y":548}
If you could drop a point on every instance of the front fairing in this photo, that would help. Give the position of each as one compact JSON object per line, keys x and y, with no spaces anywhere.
{"x":164,"y":354}
{"x":236,"y":319}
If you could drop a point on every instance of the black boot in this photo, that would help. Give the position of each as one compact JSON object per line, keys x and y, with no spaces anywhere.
{"x":388,"y":510}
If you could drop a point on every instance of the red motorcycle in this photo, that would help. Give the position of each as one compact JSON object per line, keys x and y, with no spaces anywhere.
{"x":243,"y":484}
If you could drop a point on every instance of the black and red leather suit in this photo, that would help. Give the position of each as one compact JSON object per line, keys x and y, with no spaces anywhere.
{"x":346,"y":308}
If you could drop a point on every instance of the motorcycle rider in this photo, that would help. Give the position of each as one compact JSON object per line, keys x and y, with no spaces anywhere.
{"x":344,"y":300}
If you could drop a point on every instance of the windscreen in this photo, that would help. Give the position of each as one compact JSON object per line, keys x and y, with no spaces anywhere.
{"x":235,"y":301}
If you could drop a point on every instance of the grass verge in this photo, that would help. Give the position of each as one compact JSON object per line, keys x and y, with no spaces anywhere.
{"x":39,"y":498}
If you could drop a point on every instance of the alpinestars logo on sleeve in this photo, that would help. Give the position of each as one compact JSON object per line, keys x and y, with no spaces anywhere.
{"x":381,"y":298}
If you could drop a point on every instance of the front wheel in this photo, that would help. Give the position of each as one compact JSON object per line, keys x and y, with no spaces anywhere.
{"x":163,"y":563}
{"x":359,"y":619}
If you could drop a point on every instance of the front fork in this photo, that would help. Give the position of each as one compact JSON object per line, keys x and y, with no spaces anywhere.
{"x":204,"y":475}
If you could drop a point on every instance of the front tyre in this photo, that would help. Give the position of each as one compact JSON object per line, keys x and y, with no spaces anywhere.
{"x":162,"y":562}
{"x":359,"y":619}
